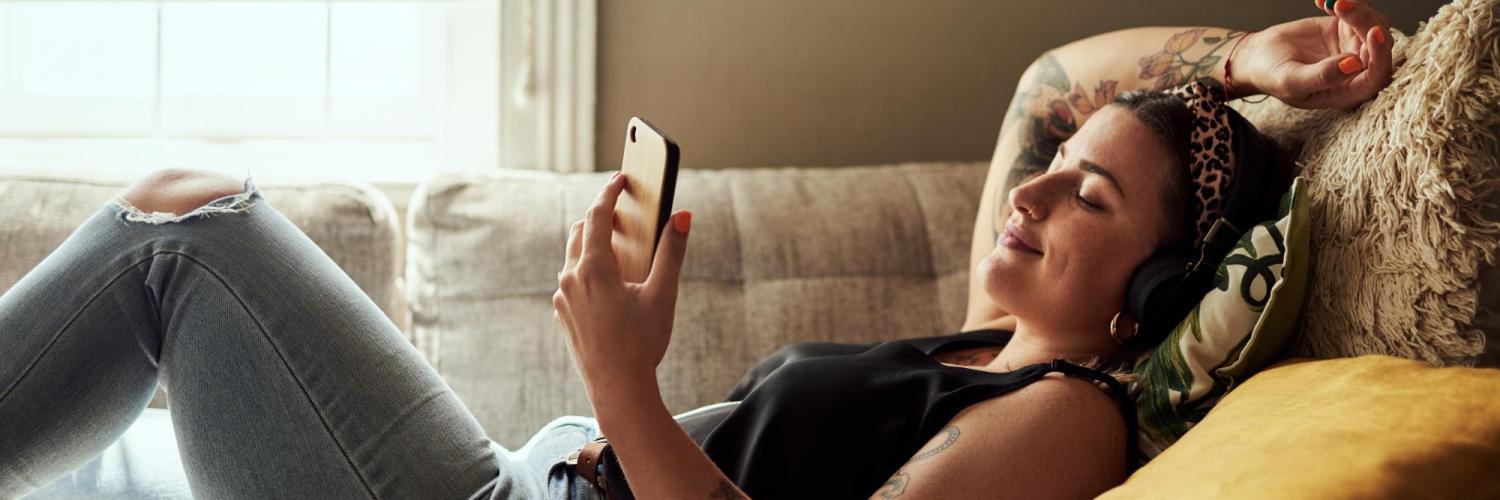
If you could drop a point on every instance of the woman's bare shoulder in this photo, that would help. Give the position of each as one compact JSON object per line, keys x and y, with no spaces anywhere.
{"x":1058,"y":390}
{"x":1074,"y":408}
{"x":1058,"y":433}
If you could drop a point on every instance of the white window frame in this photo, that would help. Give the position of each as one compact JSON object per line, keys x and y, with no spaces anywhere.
{"x":547,"y":68}
{"x":545,"y":101}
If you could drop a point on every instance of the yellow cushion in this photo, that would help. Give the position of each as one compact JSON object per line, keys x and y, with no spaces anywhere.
{"x":1365,"y":427}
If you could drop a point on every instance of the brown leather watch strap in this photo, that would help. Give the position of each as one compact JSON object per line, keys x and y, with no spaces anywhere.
{"x":588,"y":461}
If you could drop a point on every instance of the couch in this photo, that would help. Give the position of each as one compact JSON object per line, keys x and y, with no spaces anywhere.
{"x":778,"y":255}
{"x":883,"y":249}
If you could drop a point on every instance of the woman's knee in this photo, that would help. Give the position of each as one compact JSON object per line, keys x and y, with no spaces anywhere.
{"x":179,"y":191}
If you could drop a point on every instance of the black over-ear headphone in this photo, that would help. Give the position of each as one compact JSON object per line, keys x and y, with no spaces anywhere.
{"x":1169,"y":284}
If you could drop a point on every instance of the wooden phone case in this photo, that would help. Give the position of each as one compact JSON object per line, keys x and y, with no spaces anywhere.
{"x":650,"y":167}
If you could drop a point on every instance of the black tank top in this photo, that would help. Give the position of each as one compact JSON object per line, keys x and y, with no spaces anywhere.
{"x":831,"y":420}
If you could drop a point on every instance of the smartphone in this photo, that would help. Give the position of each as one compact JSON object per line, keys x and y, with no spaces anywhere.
{"x":641,"y":213}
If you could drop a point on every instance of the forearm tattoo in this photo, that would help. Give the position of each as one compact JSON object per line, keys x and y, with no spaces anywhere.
{"x":896,"y":485}
{"x":726,"y":490}
{"x":1173,"y":65}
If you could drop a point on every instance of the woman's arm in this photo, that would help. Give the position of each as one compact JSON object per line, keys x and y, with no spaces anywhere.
{"x":1325,"y":61}
{"x":619,"y":332}
{"x":660,"y":459}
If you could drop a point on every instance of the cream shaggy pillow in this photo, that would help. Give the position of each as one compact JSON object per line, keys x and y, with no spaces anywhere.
{"x":1398,"y":192}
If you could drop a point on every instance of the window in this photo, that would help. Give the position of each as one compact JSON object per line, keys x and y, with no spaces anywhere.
{"x":373,"y":90}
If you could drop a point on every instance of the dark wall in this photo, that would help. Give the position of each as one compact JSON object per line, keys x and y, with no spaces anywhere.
{"x":851,"y":82}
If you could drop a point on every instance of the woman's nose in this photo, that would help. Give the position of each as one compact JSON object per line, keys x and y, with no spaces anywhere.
{"x":1029,"y":198}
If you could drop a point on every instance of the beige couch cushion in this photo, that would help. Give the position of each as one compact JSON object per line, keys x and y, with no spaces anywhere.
{"x":355,"y":224}
{"x":778,"y":255}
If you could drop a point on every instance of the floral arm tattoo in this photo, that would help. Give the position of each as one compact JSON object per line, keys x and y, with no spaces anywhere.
{"x":1170,"y":66}
{"x":1049,"y":109}
{"x":896,"y":485}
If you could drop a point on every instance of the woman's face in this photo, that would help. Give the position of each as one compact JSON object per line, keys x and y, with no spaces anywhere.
{"x":1077,"y":232}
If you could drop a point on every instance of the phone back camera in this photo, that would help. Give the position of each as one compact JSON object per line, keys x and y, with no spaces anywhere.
{"x":632,"y":134}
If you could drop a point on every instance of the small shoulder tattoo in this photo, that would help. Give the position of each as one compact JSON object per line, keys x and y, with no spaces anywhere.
{"x":952,"y":436}
{"x":896,"y":485}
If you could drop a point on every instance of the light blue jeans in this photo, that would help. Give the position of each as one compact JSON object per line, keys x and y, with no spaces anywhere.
{"x":285,"y":380}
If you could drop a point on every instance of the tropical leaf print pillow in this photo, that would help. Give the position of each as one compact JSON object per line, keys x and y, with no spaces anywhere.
{"x":1242,"y":325}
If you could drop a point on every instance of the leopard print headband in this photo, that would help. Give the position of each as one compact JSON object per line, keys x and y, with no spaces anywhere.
{"x":1212,"y":149}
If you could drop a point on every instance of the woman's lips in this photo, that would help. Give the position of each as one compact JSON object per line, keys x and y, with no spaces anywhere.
{"x":1013,"y":238}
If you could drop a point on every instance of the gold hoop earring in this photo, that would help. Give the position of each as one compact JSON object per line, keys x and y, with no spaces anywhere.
{"x":1114,"y":330}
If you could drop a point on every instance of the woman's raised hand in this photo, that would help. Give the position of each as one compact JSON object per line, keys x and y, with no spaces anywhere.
{"x":618,"y":330}
{"x":1336,"y":61}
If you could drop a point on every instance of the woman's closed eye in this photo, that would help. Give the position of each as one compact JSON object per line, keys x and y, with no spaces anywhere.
{"x":1087,"y":204}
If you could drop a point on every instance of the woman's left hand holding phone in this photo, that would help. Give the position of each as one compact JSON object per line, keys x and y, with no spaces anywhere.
{"x":619,"y":331}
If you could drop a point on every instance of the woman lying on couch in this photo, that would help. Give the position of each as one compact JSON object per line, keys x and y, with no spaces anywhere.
{"x":286,"y":381}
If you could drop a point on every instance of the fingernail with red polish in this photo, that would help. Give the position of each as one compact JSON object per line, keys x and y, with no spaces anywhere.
{"x":1350,"y":65}
{"x":1379,"y":35}
{"x":1343,"y":6}
{"x":683,"y":221}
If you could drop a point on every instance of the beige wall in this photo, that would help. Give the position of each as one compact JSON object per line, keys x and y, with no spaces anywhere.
{"x":850,"y":82}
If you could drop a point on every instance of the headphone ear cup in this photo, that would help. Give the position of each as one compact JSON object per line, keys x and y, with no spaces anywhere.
{"x":1152,"y":285}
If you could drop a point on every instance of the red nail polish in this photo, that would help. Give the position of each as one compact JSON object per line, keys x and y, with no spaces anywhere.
{"x":683,"y":221}
{"x":1379,"y":35}
{"x":1343,"y":6}
{"x":1350,"y":65}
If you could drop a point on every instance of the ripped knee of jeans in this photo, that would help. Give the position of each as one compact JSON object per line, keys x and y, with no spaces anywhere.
{"x":234,"y":203}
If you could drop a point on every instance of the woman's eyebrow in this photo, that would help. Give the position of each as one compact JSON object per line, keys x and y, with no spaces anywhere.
{"x":1094,"y":168}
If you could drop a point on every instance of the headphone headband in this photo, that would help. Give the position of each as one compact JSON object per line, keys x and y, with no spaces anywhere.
{"x":1212,"y":150}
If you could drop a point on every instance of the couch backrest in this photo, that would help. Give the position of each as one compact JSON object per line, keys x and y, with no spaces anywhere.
{"x":777,"y":255}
